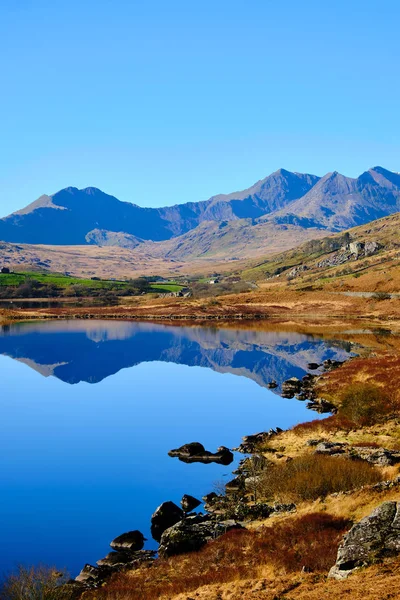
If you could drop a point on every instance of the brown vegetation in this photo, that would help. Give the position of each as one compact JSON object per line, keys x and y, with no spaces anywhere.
{"x":309,"y":476}
{"x":309,"y":541}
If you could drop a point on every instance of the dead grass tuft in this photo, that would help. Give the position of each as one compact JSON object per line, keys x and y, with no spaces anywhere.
{"x":309,"y":476}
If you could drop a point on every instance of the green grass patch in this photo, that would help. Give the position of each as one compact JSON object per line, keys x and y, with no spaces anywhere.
{"x":15,"y":279}
{"x":164,"y":288}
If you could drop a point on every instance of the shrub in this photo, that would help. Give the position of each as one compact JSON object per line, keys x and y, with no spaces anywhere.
{"x":364,"y":403}
{"x":36,"y":583}
{"x":314,"y":476}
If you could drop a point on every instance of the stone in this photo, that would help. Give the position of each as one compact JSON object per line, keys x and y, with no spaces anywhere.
{"x":189,"y":503}
{"x":330,"y":448}
{"x":271,"y":385}
{"x":191,"y":534}
{"x":115,"y":559}
{"x":92,"y":576}
{"x":376,"y":456}
{"x":313,"y":366}
{"x":290,"y":387}
{"x":132,"y":541}
{"x":123,"y":560}
{"x":373,"y":538}
{"x":166,"y":515}
{"x":195,"y":452}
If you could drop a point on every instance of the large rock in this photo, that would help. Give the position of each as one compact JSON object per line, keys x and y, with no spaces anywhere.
{"x":373,"y":538}
{"x":195,"y":452}
{"x":189,"y":503}
{"x":122,"y":560}
{"x":92,"y":576}
{"x":132,"y":541}
{"x":290,"y":387}
{"x":166,"y":515}
{"x":191,"y":534}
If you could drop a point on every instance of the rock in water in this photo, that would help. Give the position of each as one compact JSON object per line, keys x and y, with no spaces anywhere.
{"x":189,"y":503}
{"x":195,"y":452}
{"x":374,"y":537}
{"x":130,"y":541}
{"x":166,"y":515}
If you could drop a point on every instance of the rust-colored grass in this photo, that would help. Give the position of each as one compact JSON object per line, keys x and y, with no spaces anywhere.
{"x":309,"y":541}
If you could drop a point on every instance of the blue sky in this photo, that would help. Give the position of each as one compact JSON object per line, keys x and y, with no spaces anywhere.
{"x":162,"y":102}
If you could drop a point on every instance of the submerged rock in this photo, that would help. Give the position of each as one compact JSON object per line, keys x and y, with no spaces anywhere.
{"x":373,"y":538}
{"x":166,"y":515}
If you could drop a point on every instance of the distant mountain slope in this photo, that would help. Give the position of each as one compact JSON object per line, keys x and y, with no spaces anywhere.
{"x":70,"y":215}
{"x":362,"y":259}
{"x":337,"y":202}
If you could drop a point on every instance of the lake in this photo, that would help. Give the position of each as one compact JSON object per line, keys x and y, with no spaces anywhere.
{"x":89,"y":410}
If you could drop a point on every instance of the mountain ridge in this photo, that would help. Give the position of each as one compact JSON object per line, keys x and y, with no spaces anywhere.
{"x":252,"y":220}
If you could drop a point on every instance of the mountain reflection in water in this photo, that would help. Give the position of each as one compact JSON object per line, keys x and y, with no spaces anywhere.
{"x":90,"y":351}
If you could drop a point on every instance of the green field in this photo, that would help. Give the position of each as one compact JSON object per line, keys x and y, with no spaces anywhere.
{"x":166,"y":287}
{"x":64,"y":281}
{"x":15,"y":279}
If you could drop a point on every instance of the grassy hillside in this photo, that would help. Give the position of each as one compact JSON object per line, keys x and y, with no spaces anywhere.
{"x":311,"y":266}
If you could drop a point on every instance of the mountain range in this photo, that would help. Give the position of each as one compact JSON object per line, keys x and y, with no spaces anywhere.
{"x":88,"y":232}
{"x":89,"y":216}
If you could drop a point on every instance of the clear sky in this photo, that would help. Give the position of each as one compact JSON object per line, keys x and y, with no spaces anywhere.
{"x":159,"y":102}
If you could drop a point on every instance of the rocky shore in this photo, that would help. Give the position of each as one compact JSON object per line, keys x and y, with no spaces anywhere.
{"x":178,"y":529}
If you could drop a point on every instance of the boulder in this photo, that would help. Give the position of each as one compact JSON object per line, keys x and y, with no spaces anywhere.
{"x":166,"y":515}
{"x":132,"y":541}
{"x":189,"y":503}
{"x":93,"y":576}
{"x":195,"y":452}
{"x":191,"y":534}
{"x":272,"y":385}
{"x":370,"y":540}
{"x":290,"y":387}
{"x":313,"y":366}
{"x":115,"y":559}
{"x":376,"y":456}
{"x":122,"y":560}
{"x":330,"y":448}
{"x":190,"y":449}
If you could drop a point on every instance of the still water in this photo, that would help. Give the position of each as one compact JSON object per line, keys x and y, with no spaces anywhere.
{"x":90,"y":409}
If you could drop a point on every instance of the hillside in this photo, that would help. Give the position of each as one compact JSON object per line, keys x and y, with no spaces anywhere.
{"x":362,"y":259}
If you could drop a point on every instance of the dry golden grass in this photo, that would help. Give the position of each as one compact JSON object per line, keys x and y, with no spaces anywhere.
{"x":379,"y":582}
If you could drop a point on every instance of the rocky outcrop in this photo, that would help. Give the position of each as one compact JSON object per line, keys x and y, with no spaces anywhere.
{"x":373,"y":538}
{"x":381,"y":457}
{"x":192,"y":533}
{"x":195,"y":452}
{"x":123,"y":560}
{"x":131,"y":541}
{"x":352,"y":251}
{"x":250,"y":443}
{"x":166,"y":515}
